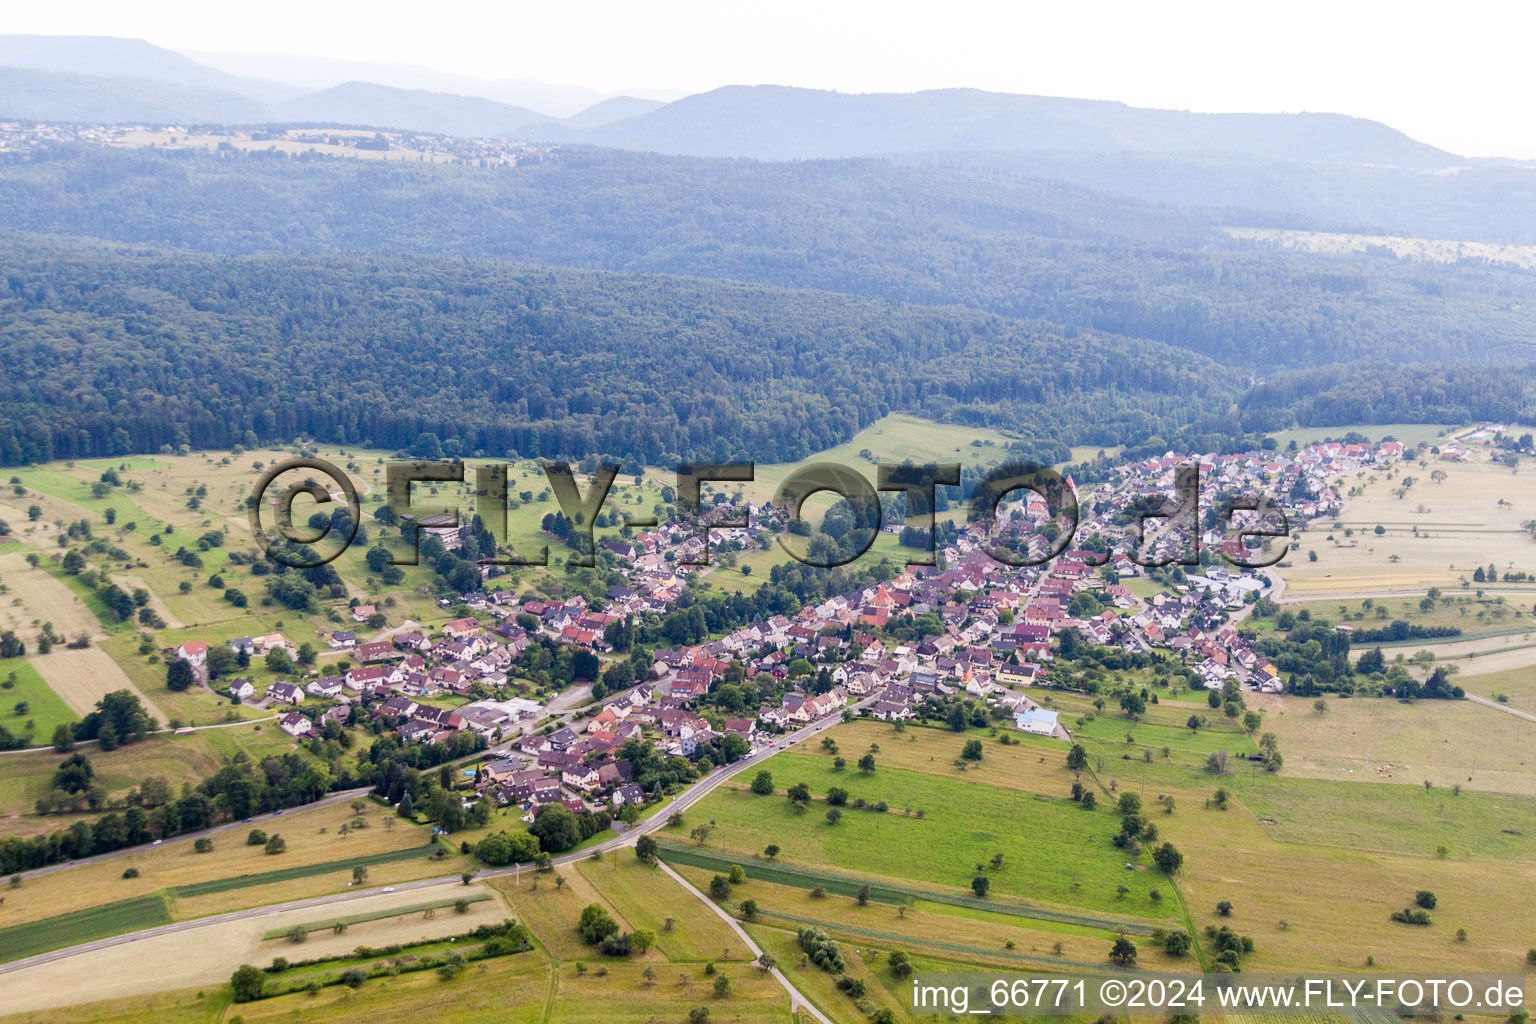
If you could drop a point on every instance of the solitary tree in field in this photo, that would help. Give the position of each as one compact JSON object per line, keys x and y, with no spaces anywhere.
{"x":1167,"y":859}
{"x":1077,"y":758}
{"x":771,"y":850}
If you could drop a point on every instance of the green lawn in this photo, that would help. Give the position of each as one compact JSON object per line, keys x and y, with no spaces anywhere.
{"x":1054,"y":851}
{"x":45,"y":709}
{"x":24,"y":940}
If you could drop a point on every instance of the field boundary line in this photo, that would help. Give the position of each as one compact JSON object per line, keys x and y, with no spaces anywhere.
{"x":884,"y":892}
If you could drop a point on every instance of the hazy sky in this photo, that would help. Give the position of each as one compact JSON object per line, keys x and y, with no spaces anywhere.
{"x":1452,"y":74}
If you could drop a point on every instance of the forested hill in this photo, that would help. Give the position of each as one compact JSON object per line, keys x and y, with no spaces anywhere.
{"x":775,"y":122}
{"x":936,"y":236}
{"x":111,"y":350}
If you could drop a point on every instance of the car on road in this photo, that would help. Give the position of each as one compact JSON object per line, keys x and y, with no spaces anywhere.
{"x":388,"y":888}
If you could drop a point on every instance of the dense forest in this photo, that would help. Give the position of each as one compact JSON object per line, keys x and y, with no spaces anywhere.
{"x":112,"y":350}
{"x":664,"y":308}
{"x":932,"y":235}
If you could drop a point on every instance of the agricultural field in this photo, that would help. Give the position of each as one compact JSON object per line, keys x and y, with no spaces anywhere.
{"x":895,"y":438}
{"x":1435,"y":250}
{"x":32,"y":597}
{"x":1328,"y":907}
{"x":1461,"y":609}
{"x":318,"y":860}
{"x":937,"y":830}
{"x":1448,"y":743}
{"x":1435,"y":533}
{"x":83,"y":677}
{"x":207,"y":954}
{"x":1515,"y":687}
{"x":1409,"y":433}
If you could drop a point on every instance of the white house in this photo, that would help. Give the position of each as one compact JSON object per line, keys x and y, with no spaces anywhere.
{"x":285,"y":693}
{"x":296,"y":725}
{"x":194,"y":652}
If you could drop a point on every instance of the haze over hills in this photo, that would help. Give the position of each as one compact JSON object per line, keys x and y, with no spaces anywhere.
{"x":109,"y":57}
{"x":766,"y":122}
{"x":408,"y":109}
{"x":550,"y":99}
{"x":62,"y":96}
{"x":771,"y":122}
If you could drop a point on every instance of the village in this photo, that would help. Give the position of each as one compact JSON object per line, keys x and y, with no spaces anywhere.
{"x":1001,"y":627}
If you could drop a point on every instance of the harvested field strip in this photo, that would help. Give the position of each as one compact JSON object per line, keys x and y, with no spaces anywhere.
{"x":906,"y":941}
{"x":303,"y":871}
{"x":375,"y":915}
{"x":885,"y":892}
{"x":24,"y":940}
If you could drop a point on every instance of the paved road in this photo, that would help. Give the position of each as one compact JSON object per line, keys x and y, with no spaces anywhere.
{"x":1474,"y":698}
{"x":692,"y":795}
{"x":796,"y":1000}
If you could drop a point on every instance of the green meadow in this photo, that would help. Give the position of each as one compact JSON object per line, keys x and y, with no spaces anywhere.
{"x":30,"y":702}
{"x":1053,"y":850}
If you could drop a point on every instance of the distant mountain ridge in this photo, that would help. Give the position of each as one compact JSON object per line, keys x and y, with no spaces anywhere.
{"x":772,"y":122}
{"x":107,"y":79}
{"x":111,"y":57}
{"x":414,"y":110}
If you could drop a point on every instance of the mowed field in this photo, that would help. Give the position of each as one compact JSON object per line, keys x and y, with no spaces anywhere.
{"x":82,"y":677}
{"x":1449,"y":743}
{"x":207,"y":954}
{"x":1314,"y":907}
{"x":33,"y":597}
{"x":1472,"y":518}
{"x":1516,"y":686}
